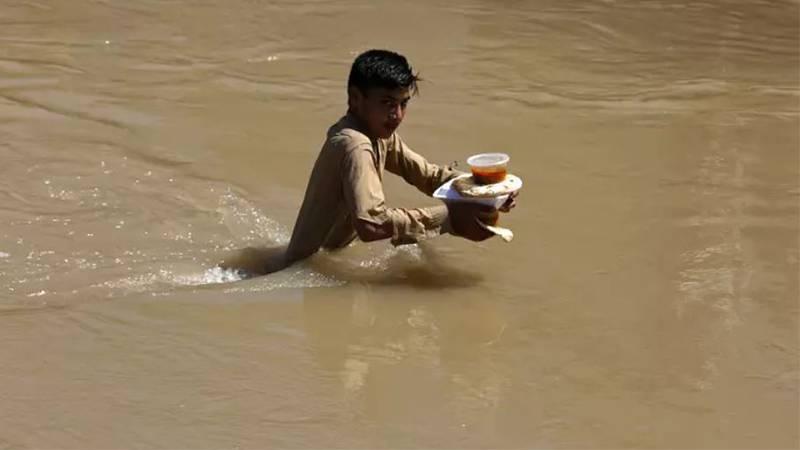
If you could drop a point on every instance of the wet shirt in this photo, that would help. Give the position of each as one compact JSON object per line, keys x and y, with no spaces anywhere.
{"x":347,"y":184}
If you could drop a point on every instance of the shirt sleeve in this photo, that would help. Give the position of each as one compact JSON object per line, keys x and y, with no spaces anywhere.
{"x":415,"y":169}
{"x":363,"y":193}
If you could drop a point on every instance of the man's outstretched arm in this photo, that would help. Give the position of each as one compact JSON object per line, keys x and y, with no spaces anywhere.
{"x":372,"y":219}
{"x":414,"y":168}
{"x":426,"y":177}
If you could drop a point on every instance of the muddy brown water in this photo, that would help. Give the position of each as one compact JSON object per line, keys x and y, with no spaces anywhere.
{"x":649,"y":299}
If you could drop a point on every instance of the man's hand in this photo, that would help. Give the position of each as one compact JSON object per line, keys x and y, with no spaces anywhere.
{"x":510,"y":203}
{"x":464,"y":219}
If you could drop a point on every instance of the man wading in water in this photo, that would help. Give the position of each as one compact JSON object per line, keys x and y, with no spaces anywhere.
{"x":344,"y":198}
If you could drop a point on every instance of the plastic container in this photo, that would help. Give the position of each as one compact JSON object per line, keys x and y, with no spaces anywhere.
{"x":488,"y":168}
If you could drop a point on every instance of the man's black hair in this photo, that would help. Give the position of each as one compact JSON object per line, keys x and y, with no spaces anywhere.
{"x":383,"y":69}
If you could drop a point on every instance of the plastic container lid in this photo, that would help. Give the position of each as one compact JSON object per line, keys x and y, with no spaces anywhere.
{"x":488,"y":160}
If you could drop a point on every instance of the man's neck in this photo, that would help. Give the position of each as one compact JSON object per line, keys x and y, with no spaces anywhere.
{"x":359,"y":125}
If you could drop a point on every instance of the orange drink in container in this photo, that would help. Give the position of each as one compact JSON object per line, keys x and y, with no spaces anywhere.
{"x":488,"y":168}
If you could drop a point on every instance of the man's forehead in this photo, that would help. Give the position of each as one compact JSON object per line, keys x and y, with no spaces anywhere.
{"x":398,"y":94}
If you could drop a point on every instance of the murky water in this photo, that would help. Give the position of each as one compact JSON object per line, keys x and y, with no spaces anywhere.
{"x":650,"y":298}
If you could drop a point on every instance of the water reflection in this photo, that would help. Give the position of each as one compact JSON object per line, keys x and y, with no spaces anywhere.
{"x":393,"y":349}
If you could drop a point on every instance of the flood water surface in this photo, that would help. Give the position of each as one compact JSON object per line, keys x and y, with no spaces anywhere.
{"x":648,"y":300}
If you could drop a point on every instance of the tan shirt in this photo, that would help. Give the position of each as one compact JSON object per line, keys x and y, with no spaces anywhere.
{"x":347,"y":183}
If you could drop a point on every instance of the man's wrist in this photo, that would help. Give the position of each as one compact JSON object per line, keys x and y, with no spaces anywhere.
{"x":440,"y":218}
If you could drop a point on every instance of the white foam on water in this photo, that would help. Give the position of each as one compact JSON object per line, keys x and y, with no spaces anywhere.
{"x":296,"y":281}
{"x":248,"y":223}
{"x":384,"y":260}
{"x":164,"y":281}
{"x":215,"y":275}
{"x":165,"y":277}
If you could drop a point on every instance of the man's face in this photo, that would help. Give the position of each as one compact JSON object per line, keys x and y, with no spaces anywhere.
{"x":381,"y":110}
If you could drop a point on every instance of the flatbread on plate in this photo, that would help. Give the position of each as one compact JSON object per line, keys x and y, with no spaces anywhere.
{"x":467,"y":187}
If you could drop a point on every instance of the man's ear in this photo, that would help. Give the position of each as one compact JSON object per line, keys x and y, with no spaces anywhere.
{"x":354,"y":96}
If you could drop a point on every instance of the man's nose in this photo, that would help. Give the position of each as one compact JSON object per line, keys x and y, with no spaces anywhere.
{"x":396,"y":112}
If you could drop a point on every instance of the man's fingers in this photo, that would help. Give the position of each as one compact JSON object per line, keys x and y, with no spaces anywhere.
{"x":510,"y":203}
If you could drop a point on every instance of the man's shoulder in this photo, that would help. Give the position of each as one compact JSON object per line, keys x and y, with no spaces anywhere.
{"x":344,"y":135}
{"x":349,"y":138}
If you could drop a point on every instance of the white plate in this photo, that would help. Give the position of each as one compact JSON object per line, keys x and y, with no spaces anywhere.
{"x":448,"y":193}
